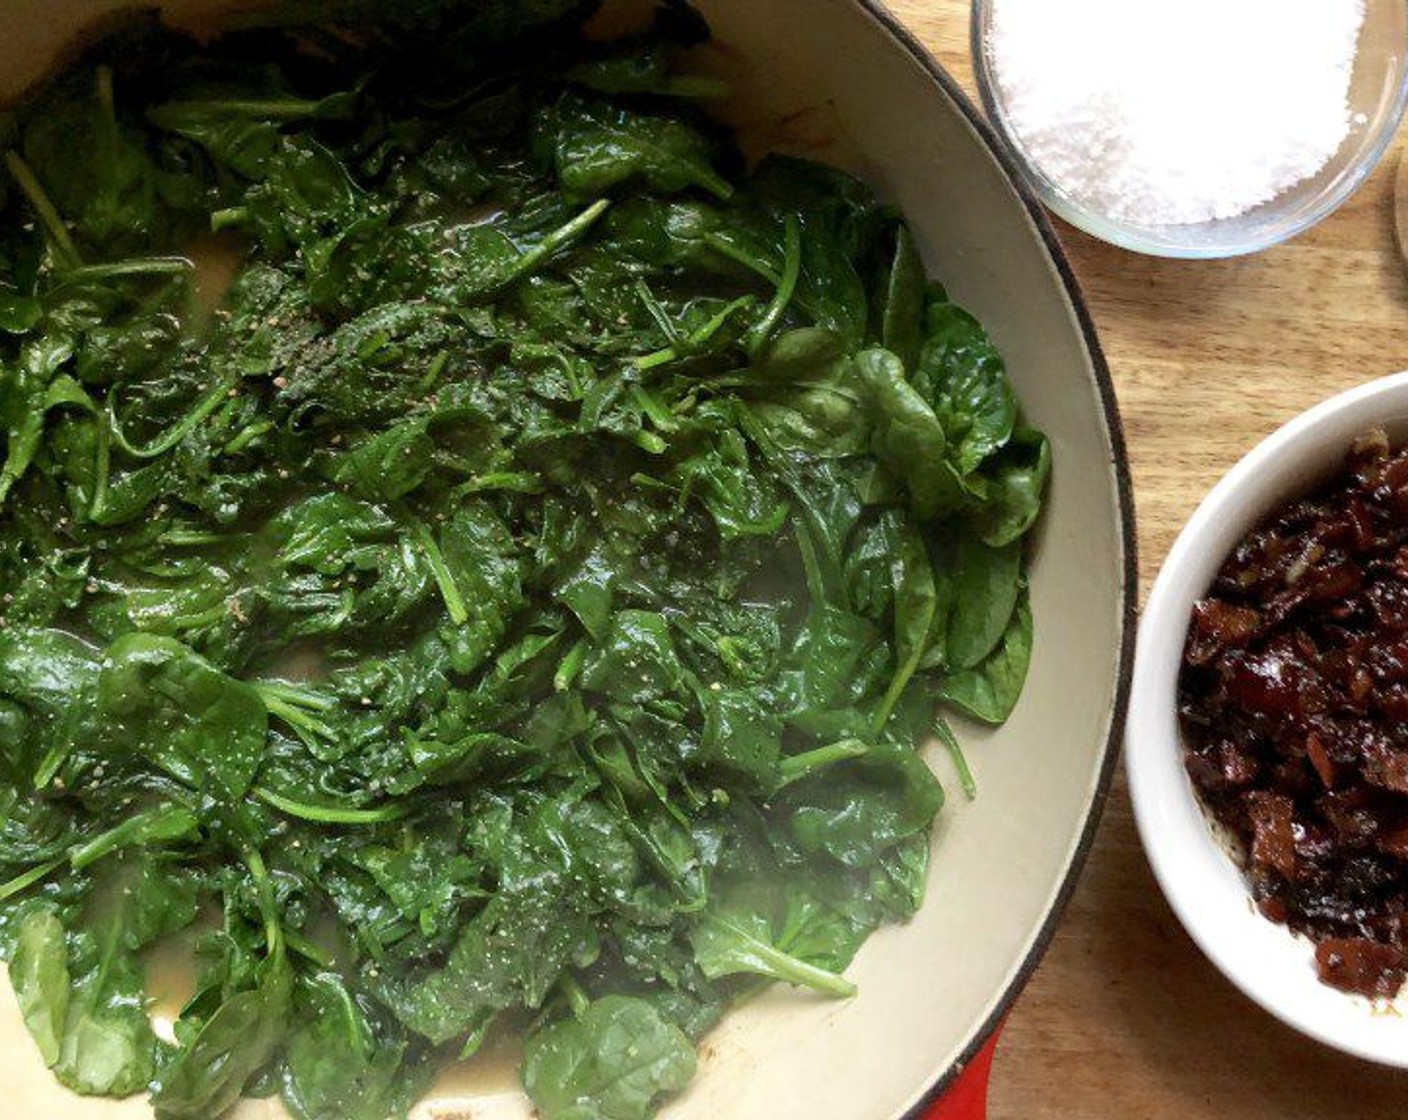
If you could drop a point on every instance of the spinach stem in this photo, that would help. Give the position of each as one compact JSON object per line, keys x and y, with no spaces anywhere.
{"x":697,"y":339}
{"x":102,"y":466}
{"x":178,"y":431}
{"x":207,"y":617}
{"x":50,"y":763}
{"x":248,"y":435}
{"x":432,"y":373}
{"x":960,"y":762}
{"x":228,"y":218}
{"x":306,"y":727}
{"x":559,"y":239}
{"x":30,"y":877}
{"x":329,"y":814}
{"x":48,"y":215}
{"x":816,"y":586}
{"x":714,"y":183}
{"x":135,"y":266}
{"x":570,"y":666}
{"x":738,"y":256}
{"x":577,"y":997}
{"x":797,"y":766}
{"x":898,"y":683}
{"x":475,"y":1039}
{"x":275,"y":109}
{"x":787,"y":286}
{"x":517,"y":482}
{"x":454,"y":601}
{"x":651,"y":405}
{"x":657,"y":358}
{"x":305,"y":698}
{"x":714,"y":325}
{"x":191,"y":538}
{"x":167,"y":822}
{"x":305,"y":948}
{"x":658,"y":313}
{"x":268,"y":904}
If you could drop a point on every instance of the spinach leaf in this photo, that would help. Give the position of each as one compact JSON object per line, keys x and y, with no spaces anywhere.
{"x":808,"y":397}
{"x":841,"y":224}
{"x":81,"y":994}
{"x":307,"y":194}
{"x":596,"y":146}
{"x":52,"y":677}
{"x":986,"y":585}
{"x":507,"y":955}
{"x":907,"y":436}
{"x":889,"y":797}
{"x":175,"y":709}
{"x":990,"y":690}
{"x":39,"y":972}
{"x":741,"y":739}
{"x":1019,"y":475}
{"x":208,"y":1074}
{"x":916,"y":603}
{"x":902,"y":319}
{"x":611,"y":1063}
{"x":241,"y":128}
{"x":636,"y":661}
{"x":478,"y":571}
{"x":732,"y":941}
{"x":108,"y":1046}
{"x":388,"y":465}
{"x":645,"y":69}
{"x":961,"y":373}
{"x":106,"y":187}
{"x":336,"y":1066}
{"x":340,"y":565}
{"x":32,"y":391}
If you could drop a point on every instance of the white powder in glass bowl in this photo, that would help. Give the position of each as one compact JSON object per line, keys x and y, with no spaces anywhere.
{"x":1172,"y":112}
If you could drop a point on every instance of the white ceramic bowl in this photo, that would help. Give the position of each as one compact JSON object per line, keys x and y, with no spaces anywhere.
{"x":1200,"y":879}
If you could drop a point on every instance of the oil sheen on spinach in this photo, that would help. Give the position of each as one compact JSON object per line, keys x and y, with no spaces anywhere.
{"x":516,"y":607}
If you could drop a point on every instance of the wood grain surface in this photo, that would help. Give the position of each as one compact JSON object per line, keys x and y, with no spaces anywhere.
{"x":1125,"y":1018}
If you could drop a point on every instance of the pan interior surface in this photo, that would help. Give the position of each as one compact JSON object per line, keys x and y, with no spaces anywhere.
{"x":830,"y":79}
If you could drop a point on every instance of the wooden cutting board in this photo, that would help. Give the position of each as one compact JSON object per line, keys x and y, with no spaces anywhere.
{"x":1125,"y":1019}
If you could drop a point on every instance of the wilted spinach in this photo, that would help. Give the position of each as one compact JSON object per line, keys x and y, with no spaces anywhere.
{"x":526,"y":591}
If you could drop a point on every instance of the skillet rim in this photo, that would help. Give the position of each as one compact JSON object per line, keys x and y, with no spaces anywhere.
{"x":948,"y":87}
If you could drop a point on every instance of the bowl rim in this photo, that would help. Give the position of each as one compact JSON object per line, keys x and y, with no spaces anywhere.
{"x":1286,"y":463}
{"x":989,"y":137}
{"x":1146,"y":239}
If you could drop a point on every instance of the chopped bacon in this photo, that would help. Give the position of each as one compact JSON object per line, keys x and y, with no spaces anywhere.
{"x":1315,"y":751}
{"x":1360,"y":965}
{"x":1294,"y":701}
{"x":1218,"y":626}
{"x":1273,"y":840}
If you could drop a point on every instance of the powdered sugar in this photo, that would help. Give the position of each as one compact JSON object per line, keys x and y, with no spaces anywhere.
{"x":1168,"y":112}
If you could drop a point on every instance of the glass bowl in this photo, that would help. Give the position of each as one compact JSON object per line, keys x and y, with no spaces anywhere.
{"x":1377,"y":98}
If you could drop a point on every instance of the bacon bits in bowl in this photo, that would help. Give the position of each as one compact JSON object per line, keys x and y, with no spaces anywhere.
{"x":1267,"y":745}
